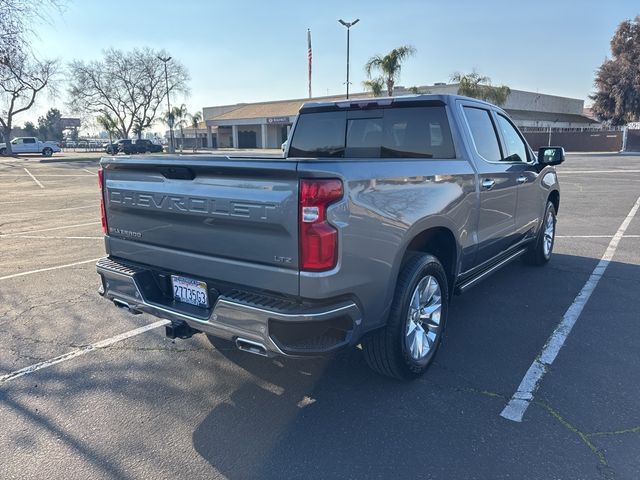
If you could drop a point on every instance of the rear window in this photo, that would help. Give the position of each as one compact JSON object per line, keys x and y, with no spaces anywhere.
{"x":319,"y":135}
{"x":409,"y":132}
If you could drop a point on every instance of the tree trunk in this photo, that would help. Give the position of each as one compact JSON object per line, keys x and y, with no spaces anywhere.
{"x":6,"y":131}
{"x":390,"y":87}
{"x":195,"y":141}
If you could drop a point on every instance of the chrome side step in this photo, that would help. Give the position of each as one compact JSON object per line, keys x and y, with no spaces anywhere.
{"x":467,"y":284}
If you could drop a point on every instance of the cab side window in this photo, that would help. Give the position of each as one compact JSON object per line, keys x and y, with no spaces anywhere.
{"x":516,"y":148}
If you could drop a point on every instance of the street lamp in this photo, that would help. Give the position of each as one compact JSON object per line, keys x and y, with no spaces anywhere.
{"x":348,"y":25}
{"x":169,"y":116}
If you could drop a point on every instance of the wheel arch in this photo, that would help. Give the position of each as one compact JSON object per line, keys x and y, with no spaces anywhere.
{"x":554,"y":197}
{"x":439,"y":241}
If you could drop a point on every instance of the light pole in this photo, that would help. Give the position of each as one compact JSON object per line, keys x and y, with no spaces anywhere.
{"x":348,"y":25}
{"x":169,"y":117}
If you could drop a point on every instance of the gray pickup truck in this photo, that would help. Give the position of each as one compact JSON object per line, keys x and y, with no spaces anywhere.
{"x":380,"y":210}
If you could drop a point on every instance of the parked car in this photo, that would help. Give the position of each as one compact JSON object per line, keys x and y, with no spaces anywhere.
{"x":381,"y":211}
{"x":146,"y":146}
{"x":130,"y":147}
{"x":30,"y":145}
{"x":114,"y":148}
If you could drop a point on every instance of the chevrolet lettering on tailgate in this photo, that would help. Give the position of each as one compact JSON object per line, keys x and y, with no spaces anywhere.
{"x":189,"y":204}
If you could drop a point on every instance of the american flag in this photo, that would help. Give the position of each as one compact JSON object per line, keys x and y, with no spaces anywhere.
{"x":310,"y":57}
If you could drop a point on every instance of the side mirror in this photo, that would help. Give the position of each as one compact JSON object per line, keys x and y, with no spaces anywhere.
{"x":550,"y":156}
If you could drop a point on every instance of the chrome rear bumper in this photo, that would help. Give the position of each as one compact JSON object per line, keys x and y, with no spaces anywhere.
{"x":236,"y":317}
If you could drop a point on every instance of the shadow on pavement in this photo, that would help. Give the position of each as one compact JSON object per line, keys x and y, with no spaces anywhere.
{"x":142,"y":407}
{"x":331,"y":418}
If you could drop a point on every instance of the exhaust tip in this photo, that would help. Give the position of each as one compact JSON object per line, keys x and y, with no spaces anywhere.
{"x":125,"y":306}
{"x":251,"y":347}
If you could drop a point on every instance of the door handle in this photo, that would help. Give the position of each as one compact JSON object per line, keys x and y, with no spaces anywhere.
{"x":521,"y":179}
{"x":488,"y":183}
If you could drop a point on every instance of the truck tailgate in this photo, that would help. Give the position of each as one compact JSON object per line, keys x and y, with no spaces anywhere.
{"x":233,"y":220}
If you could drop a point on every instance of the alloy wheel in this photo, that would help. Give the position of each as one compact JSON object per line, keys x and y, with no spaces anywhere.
{"x":423,"y":320}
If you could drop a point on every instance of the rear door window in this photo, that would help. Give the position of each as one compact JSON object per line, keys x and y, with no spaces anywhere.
{"x":483,"y":133}
{"x":421,"y":132}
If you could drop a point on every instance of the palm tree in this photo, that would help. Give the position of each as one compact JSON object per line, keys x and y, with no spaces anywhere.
{"x":178,"y":115}
{"x":107,"y":122}
{"x":389,"y":65}
{"x":375,"y":85}
{"x":479,"y":86}
{"x":196,"y":118}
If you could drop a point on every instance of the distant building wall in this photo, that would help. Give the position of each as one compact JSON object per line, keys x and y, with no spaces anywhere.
{"x":633,"y":141}
{"x":209,"y":113}
{"x":517,"y":100}
{"x":587,"y":141}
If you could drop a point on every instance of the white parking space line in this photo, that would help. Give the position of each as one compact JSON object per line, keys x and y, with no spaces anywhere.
{"x":595,"y":236}
{"x":50,"y":229}
{"x":58,"y":267}
{"x":87,"y":170}
{"x":2,"y":175}
{"x":53,"y":237}
{"x":50,"y":211}
{"x":34,"y":178}
{"x":81,"y":351}
{"x":562,"y":172}
{"x":524,"y":395}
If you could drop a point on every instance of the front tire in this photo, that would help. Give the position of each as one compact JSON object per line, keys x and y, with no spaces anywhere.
{"x":539,"y":253}
{"x":47,"y":152}
{"x":406,"y":346}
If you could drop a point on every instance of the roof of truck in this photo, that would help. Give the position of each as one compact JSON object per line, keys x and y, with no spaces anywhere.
{"x":384,"y":101}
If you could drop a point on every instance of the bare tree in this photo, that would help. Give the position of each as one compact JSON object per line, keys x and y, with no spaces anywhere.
{"x":22,"y":78}
{"x":130,"y":86}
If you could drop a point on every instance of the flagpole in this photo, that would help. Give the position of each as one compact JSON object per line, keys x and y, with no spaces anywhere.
{"x":309,"y":57}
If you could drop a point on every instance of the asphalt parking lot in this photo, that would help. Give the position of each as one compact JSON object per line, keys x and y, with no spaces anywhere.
{"x":147,"y":407}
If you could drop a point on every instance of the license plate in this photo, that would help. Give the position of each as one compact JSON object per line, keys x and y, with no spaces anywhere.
{"x":188,"y":290}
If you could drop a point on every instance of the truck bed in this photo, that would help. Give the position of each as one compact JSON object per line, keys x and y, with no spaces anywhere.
{"x":233,"y":218}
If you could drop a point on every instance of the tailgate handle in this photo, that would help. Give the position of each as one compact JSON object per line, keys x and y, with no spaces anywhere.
{"x":177,"y":173}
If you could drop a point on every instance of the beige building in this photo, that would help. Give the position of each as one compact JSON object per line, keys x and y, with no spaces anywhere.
{"x":267,"y":124}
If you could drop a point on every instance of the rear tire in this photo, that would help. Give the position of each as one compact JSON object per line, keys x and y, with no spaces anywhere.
{"x":539,"y":253}
{"x":406,"y":346}
{"x":3,"y":152}
{"x":47,"y":152}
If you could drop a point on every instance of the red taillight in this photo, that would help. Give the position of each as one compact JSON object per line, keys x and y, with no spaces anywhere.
{"x":318,"y":238}
{"x":103,"y":212}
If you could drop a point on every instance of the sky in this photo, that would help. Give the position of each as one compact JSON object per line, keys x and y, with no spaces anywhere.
{"x":257,"y":50}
